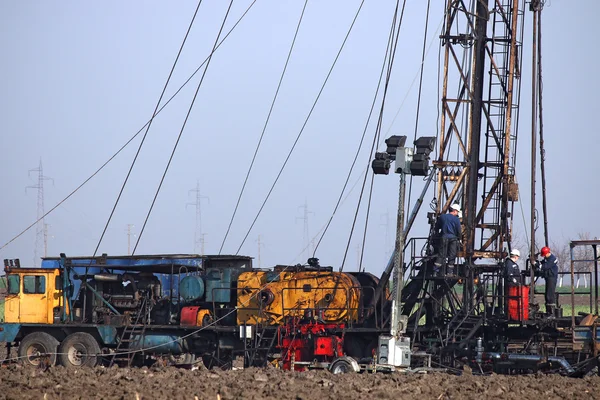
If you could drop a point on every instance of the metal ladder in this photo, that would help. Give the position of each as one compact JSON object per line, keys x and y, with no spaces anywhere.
{"x":132,"y":334}
{"x":262,"y":343}
{"x":462,"y":327}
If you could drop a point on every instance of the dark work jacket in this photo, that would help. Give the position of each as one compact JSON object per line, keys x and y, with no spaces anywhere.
{"x":512,"y":269}
{"x":550,"y":267}
{"x":449,"y":226}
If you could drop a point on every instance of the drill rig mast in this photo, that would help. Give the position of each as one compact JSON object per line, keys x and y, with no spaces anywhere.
{"x":478,"y":137}
{"x":480,"y":103}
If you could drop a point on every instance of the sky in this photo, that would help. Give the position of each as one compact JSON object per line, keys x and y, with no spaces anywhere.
{"x":79,"y":79}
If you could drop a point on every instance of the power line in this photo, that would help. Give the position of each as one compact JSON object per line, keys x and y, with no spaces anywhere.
{"x":182,"y":127}
{"x":392,"y":53}
{"x":146,"y":133}
{"x":390,"y":38}
{"x":264,"y":127}
{"x":303,"y":126}
{"x":136,"y":134}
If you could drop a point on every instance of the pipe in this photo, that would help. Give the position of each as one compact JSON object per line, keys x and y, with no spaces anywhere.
{"x":107,"y":277}
{"x":533,"y":153}
{"x":419,"y":202}
{"x":529,"y":358}
{"x":595,"y":276}
{"x":563,"y":363}
{"x":398,"y":281}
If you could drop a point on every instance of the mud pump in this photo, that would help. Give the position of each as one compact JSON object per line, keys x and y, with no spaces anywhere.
{"x":309,"y":342}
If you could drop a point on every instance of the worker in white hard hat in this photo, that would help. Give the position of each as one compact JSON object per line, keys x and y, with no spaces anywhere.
{"x":513,"y":274}
{"x":448,"y":230}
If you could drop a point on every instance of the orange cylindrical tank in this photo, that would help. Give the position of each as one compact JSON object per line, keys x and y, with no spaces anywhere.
{"x":518,"y":303}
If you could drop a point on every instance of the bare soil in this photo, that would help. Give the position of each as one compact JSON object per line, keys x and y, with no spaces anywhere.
{"x":173,"y":383}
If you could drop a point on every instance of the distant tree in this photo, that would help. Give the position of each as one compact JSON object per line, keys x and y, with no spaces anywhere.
{"x":561,"y":249}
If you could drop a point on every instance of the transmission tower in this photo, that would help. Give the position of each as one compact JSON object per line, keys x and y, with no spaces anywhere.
{"x":198,"y":235}
{"x":260,"y":244}
{"x":41,"y":235}
{"x":46,"y":226}
{"x":386,"y":224}
{"x":305,"y":235}
{"x":129,"y":234}
{"x":202,"y":242}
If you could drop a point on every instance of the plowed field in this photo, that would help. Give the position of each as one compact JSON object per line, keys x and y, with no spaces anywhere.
{"x":172,"y":383}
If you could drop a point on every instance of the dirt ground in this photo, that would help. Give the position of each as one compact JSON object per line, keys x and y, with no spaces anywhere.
{"x":173,"y":383}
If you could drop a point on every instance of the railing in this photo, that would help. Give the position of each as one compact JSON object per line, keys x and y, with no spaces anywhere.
{"x":586,"y":292}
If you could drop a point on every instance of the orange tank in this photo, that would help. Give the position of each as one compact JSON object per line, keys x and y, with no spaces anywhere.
{"x":269,"y":297}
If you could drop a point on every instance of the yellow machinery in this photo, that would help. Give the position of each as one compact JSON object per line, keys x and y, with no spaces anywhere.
{"x":268,"y":297}
{"x":32,"y":295}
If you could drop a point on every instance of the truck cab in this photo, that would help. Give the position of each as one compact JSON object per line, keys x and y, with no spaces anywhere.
{"x":33,"y":295}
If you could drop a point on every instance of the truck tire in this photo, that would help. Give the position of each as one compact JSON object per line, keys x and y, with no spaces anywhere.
{"x":344,"y":365}
{"x":79,"y":350}
{"x":38,"y":349}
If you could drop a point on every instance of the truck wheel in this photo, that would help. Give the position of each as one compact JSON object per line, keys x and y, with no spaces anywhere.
{"x":79,"y":350}
{"x":38,"y":349}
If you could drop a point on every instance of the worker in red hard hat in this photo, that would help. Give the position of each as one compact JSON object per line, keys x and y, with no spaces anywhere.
{"x":549,"y":271}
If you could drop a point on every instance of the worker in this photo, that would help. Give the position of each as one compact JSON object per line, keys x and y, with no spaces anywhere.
{"x":448,"y":229}
{"x":511,"y":269}
{"x":549,"y":271}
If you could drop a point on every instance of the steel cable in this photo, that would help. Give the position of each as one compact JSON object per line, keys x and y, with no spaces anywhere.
{"x":147,"y":129}
{"x":264,"y":126}
{"x":181,"y":131}
{"x":376,"y":137}
{"x":390,"y":38}
{"x":303,"y":126}
{"x":133,"y":137}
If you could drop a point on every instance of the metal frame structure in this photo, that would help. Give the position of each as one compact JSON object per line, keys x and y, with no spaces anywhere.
{"x":475,"y":167}
{"x":478,"y":137}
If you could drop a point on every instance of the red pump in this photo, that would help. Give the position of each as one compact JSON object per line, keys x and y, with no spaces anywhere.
{"x":308,"y":342}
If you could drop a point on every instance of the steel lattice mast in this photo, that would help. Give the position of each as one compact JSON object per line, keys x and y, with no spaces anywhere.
{"x":482,"y":57}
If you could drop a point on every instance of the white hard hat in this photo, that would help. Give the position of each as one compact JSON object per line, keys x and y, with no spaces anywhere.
{"x":515,"y":252}
{"x":455,"y":207}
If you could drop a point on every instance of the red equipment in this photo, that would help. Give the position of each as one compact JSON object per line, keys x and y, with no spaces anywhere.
{"x":305,"y":342}
{"x":518,"y":303}
{"x":545,"y":250}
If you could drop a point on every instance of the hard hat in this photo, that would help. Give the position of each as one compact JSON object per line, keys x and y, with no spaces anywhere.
{"x":515,"y":252}
{"x":545,"y":251}
{"x":455,"y":207}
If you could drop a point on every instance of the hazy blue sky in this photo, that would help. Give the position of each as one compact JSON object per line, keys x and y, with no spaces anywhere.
{"x":80,"y":78}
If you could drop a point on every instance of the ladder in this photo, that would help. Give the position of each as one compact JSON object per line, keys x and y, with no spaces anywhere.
{"x":462,"y":327}
{"x":132,"y":335}
{"x":263,"y":343}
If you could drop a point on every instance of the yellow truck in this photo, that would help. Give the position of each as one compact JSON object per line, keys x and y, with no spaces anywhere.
{"x":34,"y":299}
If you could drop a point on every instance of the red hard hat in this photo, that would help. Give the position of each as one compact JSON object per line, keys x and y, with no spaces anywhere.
{"x":545,"y":251}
